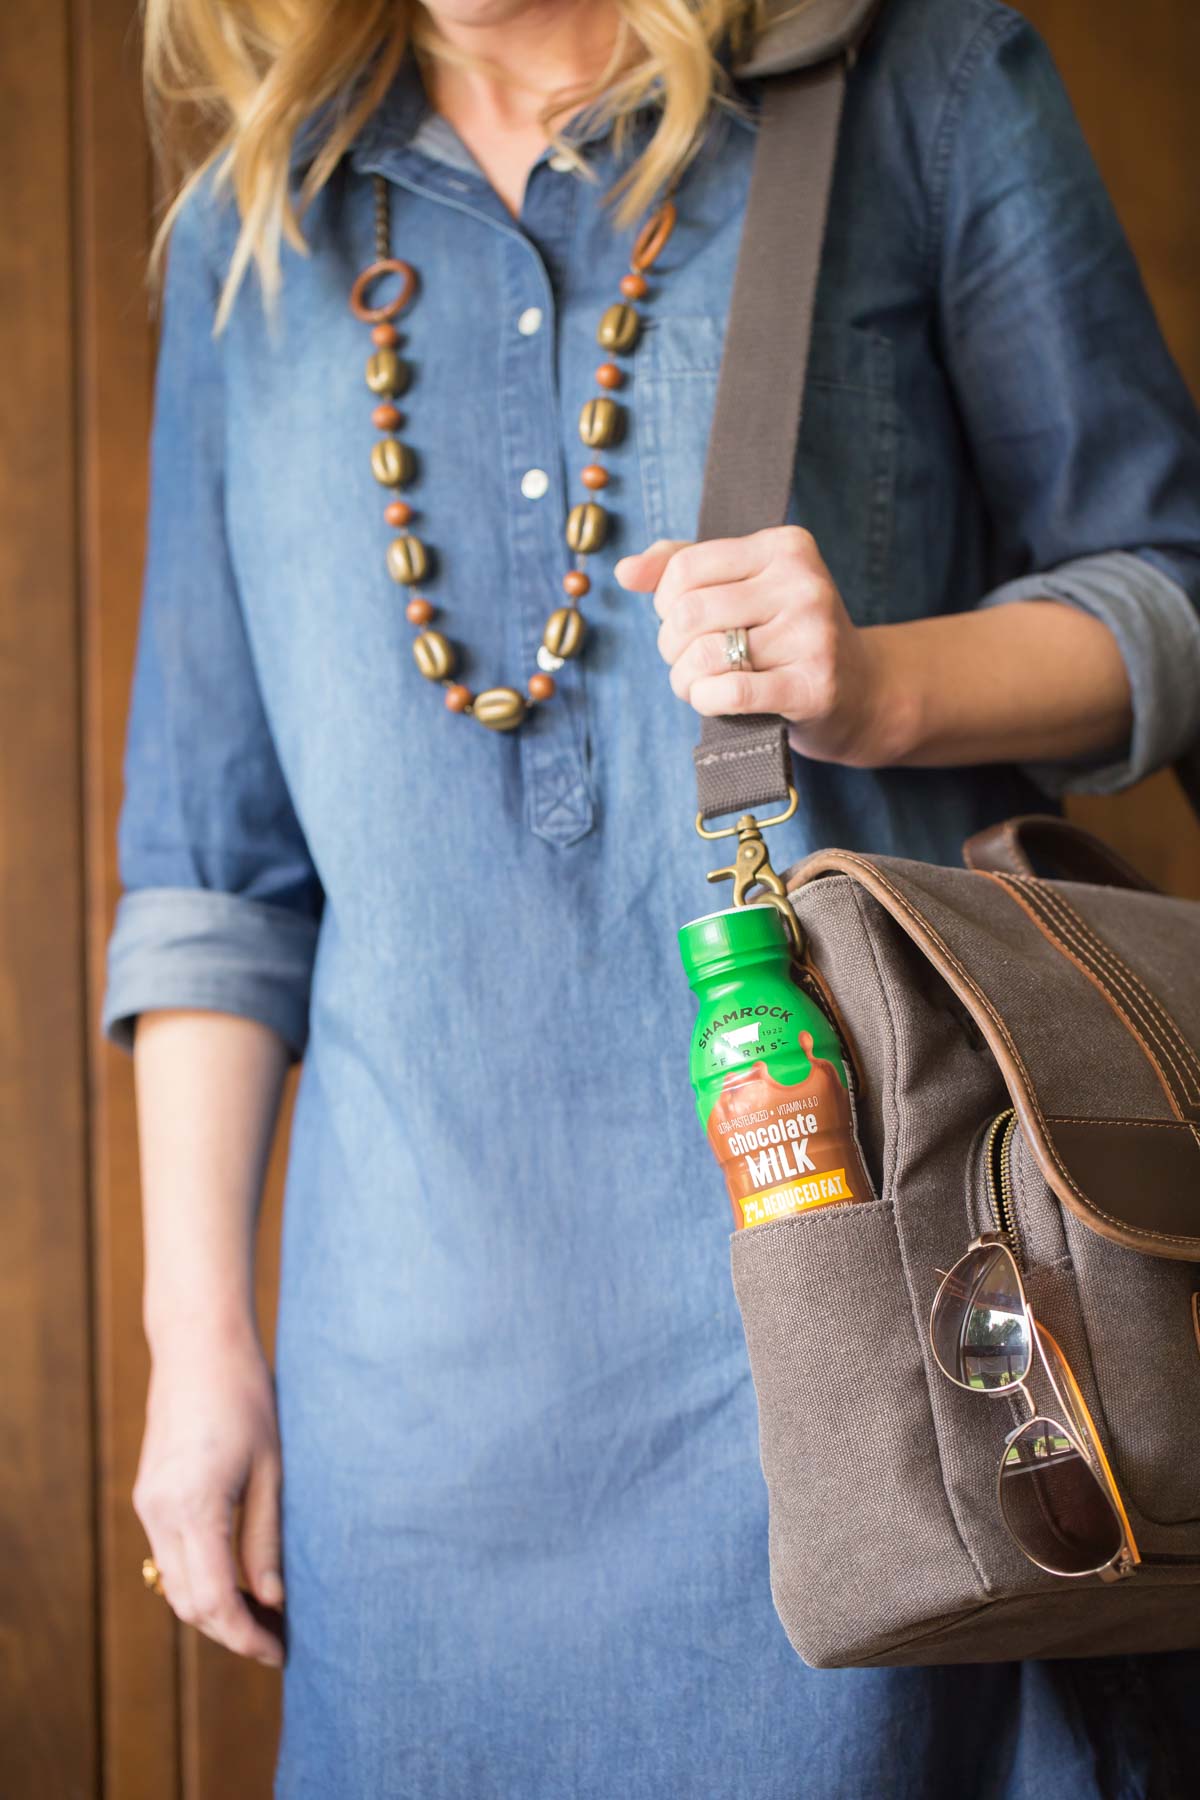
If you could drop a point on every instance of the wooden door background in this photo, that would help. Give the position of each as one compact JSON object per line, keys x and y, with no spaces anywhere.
{"x":101,"y":1693}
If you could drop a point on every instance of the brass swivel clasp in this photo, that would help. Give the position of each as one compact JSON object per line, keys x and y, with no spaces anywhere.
{"x":752,"y":866}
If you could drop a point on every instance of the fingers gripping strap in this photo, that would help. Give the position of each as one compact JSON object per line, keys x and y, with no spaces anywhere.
{"x":743,"y":760}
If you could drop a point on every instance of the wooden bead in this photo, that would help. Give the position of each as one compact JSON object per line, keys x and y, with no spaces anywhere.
{"x":386,"y":374}
{"x":433,"y":655}
{"x":541,"y":687}
{"x":608,"y":375}
{"x":576,"y":583}
{"x":499,"y":708}
{"x":594,"y":476}
{"x":407,"y":559}
{"x":600,"y":422}
{"x":397,"y":512}
{"x":387,"y":417}
{"x":587,"y":526}
{"x":563,"y":635}
{"x":419,"y":611}
{"x":386,"y":336}
{"x":619,"y":327}
{"x":634,"y":287}
{"x":392,"y":463}
{"x":458,"y":697}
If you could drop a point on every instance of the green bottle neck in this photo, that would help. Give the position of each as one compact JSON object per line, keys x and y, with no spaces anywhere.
{"x":734,"y":970}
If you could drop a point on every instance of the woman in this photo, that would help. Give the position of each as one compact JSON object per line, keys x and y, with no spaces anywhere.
{"x":522,"y":1525}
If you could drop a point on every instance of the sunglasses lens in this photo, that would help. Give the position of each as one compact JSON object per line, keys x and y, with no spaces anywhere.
{"x":1054,"y":1505}
{"x":979,"y":1327}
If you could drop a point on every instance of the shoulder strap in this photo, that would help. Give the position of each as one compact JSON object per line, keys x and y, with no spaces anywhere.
{"x":744,"y":761}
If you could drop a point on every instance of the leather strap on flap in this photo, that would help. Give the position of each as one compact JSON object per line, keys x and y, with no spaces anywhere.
{"x":744,"y":761}
{"x":1070,"y":852}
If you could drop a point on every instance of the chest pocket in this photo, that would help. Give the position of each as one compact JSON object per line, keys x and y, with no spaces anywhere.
{"x":844,"y":477}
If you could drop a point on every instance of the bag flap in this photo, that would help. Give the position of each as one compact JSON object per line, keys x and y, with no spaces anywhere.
{"x":1089,"y":999}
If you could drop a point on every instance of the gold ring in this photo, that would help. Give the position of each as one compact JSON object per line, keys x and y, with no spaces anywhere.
{"x":737,"y":649}
{"x":152,"y":1576}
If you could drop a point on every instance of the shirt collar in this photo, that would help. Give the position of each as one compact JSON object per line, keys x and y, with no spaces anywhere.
{"x":404,"y":119}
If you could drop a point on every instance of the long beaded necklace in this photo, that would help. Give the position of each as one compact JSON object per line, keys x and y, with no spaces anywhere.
{"x":601,"y":423}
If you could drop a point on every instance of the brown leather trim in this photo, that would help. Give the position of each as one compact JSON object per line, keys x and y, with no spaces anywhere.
{"x":1073,"y":853}
{"x":1181,"y":1247}
{"x":1143,"y":1016}
{"x":1154,"y":1161}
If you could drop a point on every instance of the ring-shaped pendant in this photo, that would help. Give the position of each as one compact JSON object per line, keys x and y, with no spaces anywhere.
{"x":379,"y":315}
{"x":651,"y":238}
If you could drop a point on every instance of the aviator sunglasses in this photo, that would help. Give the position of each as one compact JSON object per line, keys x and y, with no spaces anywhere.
{"x":1056,"y":1492}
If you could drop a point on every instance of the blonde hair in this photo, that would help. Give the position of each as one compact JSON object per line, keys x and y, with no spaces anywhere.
{"x":246,"y":75}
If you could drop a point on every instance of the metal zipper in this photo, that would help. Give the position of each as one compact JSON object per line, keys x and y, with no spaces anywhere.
{"x":996,"y":1162}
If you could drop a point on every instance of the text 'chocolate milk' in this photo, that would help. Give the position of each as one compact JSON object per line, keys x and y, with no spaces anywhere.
{"x":767,"y":1071}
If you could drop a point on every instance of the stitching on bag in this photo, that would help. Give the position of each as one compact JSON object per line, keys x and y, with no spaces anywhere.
{"x":1168,"y":1026}
{"x":1087,"y":938}
{"x":1142,"y":1124}
{"x":872,"y":874}
{"x":1078,"y":948}
{"x":1158,"y":1023}
{"x":1058,"y":935}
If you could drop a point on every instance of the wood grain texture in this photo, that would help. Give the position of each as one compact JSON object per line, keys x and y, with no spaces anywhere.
{"x":48,"y":1656}
{"x":139,"y":1697}
{"x":182,"y":1716}
{"x":1130,"y":70}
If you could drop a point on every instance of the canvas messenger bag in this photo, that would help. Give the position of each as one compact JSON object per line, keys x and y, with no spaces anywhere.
{"x":1025,"y":1052}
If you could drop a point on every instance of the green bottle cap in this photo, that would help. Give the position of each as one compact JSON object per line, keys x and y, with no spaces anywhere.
{"x":721,"y":940}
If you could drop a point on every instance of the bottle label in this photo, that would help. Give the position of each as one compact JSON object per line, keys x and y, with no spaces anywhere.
{"x":786,"y":1147}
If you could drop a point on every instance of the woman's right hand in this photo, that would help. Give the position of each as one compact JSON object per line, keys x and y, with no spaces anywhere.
{"x":212,"y":1441}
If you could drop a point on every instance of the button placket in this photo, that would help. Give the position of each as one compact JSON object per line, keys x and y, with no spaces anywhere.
{"x":559,"y":805}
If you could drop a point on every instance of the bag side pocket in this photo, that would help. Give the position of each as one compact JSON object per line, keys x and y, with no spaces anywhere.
{"x":862,"y":1540}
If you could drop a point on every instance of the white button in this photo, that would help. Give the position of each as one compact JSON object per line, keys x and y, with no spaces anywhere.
{"x":561,"y":162}
{"x":530,"y":321}
{"x":534,"y":483}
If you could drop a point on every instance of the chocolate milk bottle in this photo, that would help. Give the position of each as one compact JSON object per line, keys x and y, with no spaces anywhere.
{"x":767,"y":1071}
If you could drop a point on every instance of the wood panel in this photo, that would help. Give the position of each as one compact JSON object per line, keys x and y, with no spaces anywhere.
{"x":48,"y":1651}
{"x":1130,"y":70}
{"x":139,"y":1636}
{"x":183,"y":1716}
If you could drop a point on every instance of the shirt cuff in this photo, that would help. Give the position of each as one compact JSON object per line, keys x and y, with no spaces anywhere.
{"x":1157,"y":629}
{"x":197,"y":947}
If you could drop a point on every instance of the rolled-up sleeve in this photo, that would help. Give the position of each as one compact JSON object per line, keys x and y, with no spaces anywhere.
{"x":221,"y":903}
{"x":1084,"y":436}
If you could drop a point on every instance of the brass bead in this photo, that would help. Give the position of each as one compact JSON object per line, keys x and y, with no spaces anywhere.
{"x":564,"y":631}
{"x":600,"y":422}
{"x":387,"y":373}
{"x":433,"y":655}
{"x":618,"y":329}
{"x":586,"y":526}
{"x":499,"y":708}
{"x":407,"y":559}
{"x":392,"y":463}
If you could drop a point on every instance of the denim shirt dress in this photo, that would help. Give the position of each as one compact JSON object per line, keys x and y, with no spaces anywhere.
{"x":525,"y":1527}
